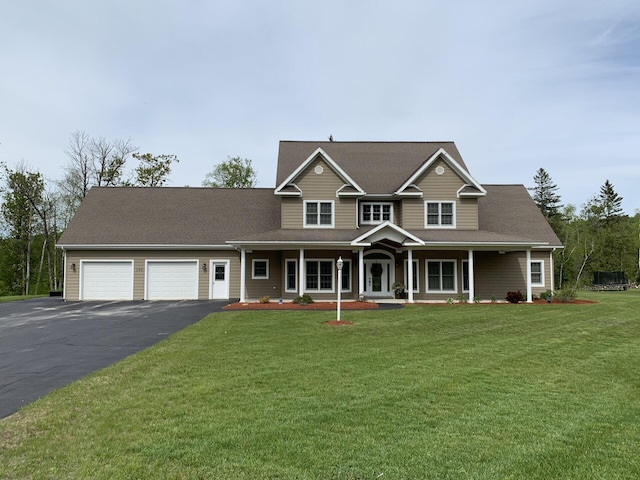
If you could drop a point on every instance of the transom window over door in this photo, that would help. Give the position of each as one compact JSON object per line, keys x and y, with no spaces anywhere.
{"x":318,"y":214}
{"x":440,"y":214}
{"x":376,"y":213}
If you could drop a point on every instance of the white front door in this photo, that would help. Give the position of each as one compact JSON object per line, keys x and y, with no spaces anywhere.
{"x":378,"y":274}
{"x":220,"y":279}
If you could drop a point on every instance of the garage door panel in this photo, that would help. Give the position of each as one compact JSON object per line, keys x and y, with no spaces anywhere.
{"x":107,"y":280}
{"x":172,"y":280}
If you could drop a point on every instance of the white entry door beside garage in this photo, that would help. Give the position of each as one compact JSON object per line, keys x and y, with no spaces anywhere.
{"x":171,"y":280}
{"x":106,"y":280}
{"x":219,"y":279}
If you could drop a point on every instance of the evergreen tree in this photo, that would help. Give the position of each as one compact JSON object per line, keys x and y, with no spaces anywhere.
{"x":546,"y":198}
{"x":610,"y":202}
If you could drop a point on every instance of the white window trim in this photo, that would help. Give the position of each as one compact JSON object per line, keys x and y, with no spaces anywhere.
{"x":286,"y":261}
{"x":542,"y":283}
{"x":253,"y":269}
{"x":416,"y":288}
{"x":440,"y":261}
{"x":333,"y":275}
{"x":313,"y":225}
{"x":439,"y":202}
{"x":376,"y":222}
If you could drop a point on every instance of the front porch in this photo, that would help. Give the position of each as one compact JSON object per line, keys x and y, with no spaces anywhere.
{"x":375,"y":272}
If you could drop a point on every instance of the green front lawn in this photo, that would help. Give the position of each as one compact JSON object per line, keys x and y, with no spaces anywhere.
{"x":15,"y":298}
{"x":440,"y":391}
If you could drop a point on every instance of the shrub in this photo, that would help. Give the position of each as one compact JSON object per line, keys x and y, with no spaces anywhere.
{"x":546,"y":295}
{"x":477,"y":299}
{"x":264,"y":299}
{"x":515,"y":297}
{"x":565,"y":295}
{"x":306,"y":298}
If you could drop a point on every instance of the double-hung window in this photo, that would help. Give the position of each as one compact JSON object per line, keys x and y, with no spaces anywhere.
{"x":441,"y":276}
{"x":440,"y":214}
{"x":376,"y":213}
{"x":319,"y":275}
{"x":537,"y":273}
{"x":291,"y":276}
{"x":318,"y":214}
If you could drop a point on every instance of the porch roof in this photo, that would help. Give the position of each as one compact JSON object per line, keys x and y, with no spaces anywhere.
{"x":346,"y":237}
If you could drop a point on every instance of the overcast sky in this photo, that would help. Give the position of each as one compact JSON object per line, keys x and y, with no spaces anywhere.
{"x":517,"y":85}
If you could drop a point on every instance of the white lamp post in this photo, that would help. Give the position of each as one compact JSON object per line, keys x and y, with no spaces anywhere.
{"x":339,"y":264}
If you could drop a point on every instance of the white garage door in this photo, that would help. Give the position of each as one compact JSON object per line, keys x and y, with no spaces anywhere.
{"x":106,"y":280}
{"x":176,"y":280}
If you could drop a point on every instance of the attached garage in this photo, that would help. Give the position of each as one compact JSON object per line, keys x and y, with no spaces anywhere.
{"x":106,"y":280}
{"x":171,"y":280}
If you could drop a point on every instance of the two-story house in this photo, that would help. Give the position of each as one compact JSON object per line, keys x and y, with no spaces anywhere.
{"x":405,"y":212}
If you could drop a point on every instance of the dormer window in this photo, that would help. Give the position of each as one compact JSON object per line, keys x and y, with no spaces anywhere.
{"x":375,"y":213}
{"x":440,"y":214}
{"x":318,"y":214}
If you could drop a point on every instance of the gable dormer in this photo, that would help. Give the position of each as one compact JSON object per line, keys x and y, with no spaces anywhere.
{"x":318,"y":194}
{"x":441,"y":194}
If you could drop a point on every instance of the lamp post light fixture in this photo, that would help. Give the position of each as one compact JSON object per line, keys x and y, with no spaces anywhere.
{"x":339,"y":264}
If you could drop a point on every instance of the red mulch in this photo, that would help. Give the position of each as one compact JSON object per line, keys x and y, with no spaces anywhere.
{"x":294,"y":306}
{"x":336,"y":323}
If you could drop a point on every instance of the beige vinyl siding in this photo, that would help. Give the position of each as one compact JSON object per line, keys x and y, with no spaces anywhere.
{"x":318,"y":187}
{"x":291,"y":209}
{"x":440,"y":188}
{"x":497,"y":274}
{"x":467,"y":214}
{"x":259,"y":287}
{"x":412,"y":213}
{"x":72,"y":287}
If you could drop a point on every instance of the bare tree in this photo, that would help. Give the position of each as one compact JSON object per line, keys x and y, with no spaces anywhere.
{"x":93,"y":162}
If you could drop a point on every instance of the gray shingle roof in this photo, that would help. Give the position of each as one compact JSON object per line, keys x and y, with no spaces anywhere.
{"x":377,"y":167}
{"x":167,"y":216}
{"x":509,"y":209}
{"x":171,"y":216}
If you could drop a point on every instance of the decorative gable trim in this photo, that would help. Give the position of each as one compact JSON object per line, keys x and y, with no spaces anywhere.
{"x":408,"y":239}
{"x":442,"y":153}
{"x":281,"y":189}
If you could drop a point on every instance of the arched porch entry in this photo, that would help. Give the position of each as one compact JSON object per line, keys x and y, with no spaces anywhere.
{"x":379,"y":273}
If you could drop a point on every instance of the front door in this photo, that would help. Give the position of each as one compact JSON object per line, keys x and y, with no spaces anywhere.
{"x":378,"y":277}
{"x":220,"y":279}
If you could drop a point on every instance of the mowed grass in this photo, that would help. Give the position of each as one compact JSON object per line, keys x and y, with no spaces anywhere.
{"x":16,"y":298}
{"x":446,"y":391}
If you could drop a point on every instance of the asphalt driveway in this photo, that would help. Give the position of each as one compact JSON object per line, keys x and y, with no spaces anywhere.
{"x":48,"y":343}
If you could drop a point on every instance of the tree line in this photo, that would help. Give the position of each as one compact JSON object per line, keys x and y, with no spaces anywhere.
{"x":34,"y":211}
{"x":599,"y":237}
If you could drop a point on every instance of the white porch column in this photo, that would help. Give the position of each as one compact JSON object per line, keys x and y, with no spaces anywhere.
{"x":529,"y":291}
{"x":301,"y":273}
{"x":410,"y":275}
{"x":360,"y":272}
{"x":243,"y":269}
{"x":472,"y":287}
{"x":552,"y":281}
